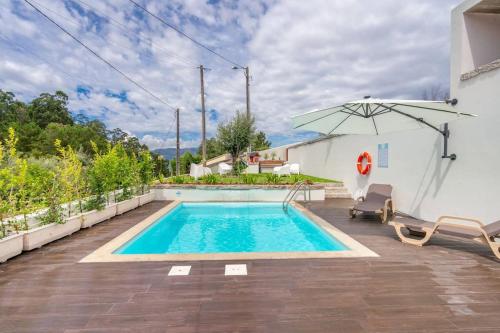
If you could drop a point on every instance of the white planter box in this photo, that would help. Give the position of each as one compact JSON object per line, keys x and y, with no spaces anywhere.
{"x":146,"y":198}
{"x":40,"y":236}
{"x":97,"y":216}
{"x":11,"y":246}
{"x":125,"y":206}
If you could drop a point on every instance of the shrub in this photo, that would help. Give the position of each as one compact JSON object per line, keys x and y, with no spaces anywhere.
{"x":146,"y":169}
{"x":98,"y":182}
{"x":239,"y":166}
{"x":126,"y":173}
{"x":294,"y":179}
{"x":54,"y":213}
{"x":14,"y":191}
{"x":272,"y":178}
{"x":178,"y":180}
{"x":161,"y":178}
{"x":248,"y":179}
{"x":210,"y":179}
{"x":70,"y":174}
{"x":103,"y":172}
{"x":96,"y":202}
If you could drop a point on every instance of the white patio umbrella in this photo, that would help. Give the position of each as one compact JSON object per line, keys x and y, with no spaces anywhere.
{"x":378,"y":116}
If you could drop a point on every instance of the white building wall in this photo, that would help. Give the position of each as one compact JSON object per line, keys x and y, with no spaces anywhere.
{"x":479,"y":42}
{"x":425,"y":185}
{"x":279,"y":152}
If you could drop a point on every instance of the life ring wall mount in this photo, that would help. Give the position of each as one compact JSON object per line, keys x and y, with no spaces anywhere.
{"x":364,"y":169}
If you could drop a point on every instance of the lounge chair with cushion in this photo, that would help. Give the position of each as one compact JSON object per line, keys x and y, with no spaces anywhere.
{"x":422,"y":231}
{"x":378,"y":200}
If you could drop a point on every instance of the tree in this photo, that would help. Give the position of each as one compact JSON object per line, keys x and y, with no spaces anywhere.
{"x":214,"y":148}
{"x":11,"y":110}
{"x":76,"y":136}
{"x":7,"y":107}
{"x":435,"y":93}
{"x":160,"y":165}
{"x":130,"y":143}
{"x":185,"y":162}
{"x":50,"y":108}
{"x":29,"y":136}
{"x":236,"y":135}
{"x":98,"y":128}
{"x":260,"y":142}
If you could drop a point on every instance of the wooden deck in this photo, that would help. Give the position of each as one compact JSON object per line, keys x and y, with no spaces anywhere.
{"x":448,"y":286}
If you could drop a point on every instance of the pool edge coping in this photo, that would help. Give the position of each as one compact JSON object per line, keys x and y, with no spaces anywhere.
{"x":105,"y":252}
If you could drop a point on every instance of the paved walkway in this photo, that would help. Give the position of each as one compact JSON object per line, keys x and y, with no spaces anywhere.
{"x":448,"y":286}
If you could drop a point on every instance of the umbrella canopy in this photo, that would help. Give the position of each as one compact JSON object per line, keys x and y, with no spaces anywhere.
{"x":378,"y":116}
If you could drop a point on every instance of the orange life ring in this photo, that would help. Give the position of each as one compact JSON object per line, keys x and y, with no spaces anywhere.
{"x":366,"y":169}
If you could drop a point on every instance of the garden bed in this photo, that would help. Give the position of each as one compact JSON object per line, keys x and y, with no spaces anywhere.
{"x":236,"y":192}
{"x":246,"y":179}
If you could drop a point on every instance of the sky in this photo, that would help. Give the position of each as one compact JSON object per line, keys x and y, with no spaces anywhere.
{"x":303,"y":55}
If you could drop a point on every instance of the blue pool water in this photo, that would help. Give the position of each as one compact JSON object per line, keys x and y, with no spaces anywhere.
{"x":231,"y":227}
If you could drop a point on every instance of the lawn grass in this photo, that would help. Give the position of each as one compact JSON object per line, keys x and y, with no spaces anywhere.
{"x":248,"y":179}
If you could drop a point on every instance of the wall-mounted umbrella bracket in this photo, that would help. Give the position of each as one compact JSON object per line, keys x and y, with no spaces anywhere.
{"x":446,"y":133}
{"x":446,"y":136}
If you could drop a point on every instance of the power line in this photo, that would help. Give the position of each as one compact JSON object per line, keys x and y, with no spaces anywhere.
{"x":186,"y":35}
{"x":77,"y":24}
{"x":127,"y":30}
{"x":22,"y":48}
{"x":77,"y":79}
{"x":100,"y":57}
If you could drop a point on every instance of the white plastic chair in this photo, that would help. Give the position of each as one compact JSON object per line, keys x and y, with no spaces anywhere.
{"x":196,"y":171}
{"x":295,"y":168}
{"x":224,"y":168}
{"x":282,"y":170}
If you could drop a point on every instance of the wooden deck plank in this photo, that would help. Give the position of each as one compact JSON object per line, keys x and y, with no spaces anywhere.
{"x":448,"y":286}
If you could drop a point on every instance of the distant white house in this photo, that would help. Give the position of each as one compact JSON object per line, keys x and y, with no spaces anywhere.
{"x":426,"y":185}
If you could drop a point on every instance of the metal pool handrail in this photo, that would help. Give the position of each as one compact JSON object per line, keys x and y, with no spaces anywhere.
{"x":295,"y":188}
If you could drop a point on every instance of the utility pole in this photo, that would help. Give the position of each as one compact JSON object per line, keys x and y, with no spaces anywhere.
{"x":247,"y":85}
{"x":177,"y":164}
{"x":247,"y":77}
{"x":203,"y":128}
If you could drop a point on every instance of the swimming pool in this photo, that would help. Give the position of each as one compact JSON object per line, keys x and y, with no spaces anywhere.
{"x":185,"y":231}
{"x":231,"y":227}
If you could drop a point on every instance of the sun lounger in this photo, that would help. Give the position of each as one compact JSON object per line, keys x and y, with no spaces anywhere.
{"x":378,"y":200}
{"x":461,"y":227}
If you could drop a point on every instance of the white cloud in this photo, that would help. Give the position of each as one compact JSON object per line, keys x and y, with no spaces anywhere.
{"x":154,"y":142}
{"x":302,"y":55}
